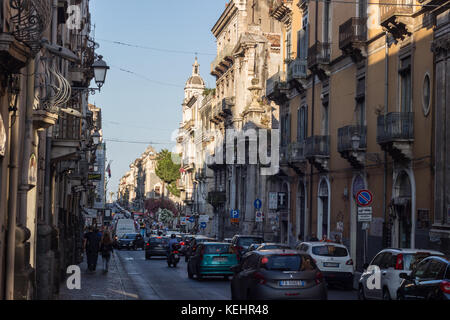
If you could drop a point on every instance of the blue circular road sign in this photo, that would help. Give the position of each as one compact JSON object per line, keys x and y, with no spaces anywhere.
{"x":191,"y":219}
{"x":203,"y":225}
{"x":257,"y":204}
{"x":364,"y":198}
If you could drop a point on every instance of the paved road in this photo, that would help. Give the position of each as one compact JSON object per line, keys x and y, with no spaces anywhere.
{"x":155,"y":280}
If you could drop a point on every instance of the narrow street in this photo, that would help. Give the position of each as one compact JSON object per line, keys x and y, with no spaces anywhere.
{"x":131,"y":277}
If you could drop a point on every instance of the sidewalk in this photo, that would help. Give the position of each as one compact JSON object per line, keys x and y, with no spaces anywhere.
{"x":114,"y":285}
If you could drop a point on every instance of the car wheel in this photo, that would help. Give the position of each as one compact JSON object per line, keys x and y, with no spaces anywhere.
{"x":361,"y":295}
{"x":199,"y":276}
{"x":386,"y":294}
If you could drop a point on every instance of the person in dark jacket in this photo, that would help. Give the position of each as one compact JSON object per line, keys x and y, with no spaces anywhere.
{"x":91,"y":246}
{"x":106,"y":248}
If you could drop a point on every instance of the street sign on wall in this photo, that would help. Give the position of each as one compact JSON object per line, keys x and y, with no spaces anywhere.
{"x":365,"y":214}
{"x":259,"y":216}
{"x":203,"y":218}
{"x":364,"y":198}
{"x":257,"y":204}
{"x":273,"y":200}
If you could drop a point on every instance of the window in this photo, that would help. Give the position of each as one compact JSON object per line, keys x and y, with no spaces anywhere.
{"x":302,"y":38}
{"x":426,"y":95}
{"x":246,"y":242}
{"x":288,"y":263}
{"x":302,"y":125}
{"x":362,"y":8}
{"x":435,"y":270}
{"x":388,"y":261}
{"x":405,"y":84}
{"x":330,"y":251}
{"x":326,"y":21}
{"x":288,"y":45}
{"x":377,"y":260}
{"x":360,"y":102}
{"x":420,"y":271}
{"x":325,"y":117}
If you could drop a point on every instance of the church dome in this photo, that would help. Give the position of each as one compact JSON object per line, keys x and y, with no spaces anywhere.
{"x":195,"y":79}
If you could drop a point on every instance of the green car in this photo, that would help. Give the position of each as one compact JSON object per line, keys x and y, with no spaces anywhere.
{"x":212,"y":259}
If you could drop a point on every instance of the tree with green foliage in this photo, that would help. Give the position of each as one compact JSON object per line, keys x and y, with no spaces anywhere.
{"x":168,"y":172}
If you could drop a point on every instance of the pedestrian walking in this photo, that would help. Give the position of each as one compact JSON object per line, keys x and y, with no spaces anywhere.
{"x":91,"y":246}
{"x":299,"y":241}
{"x":313,"y":237}
{"x":106,"y":248}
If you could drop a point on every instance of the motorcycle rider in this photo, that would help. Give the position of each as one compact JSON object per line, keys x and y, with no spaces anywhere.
{"x":173,"y":240}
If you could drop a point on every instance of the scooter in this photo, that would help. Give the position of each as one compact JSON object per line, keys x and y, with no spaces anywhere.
{"x":174,"y":257}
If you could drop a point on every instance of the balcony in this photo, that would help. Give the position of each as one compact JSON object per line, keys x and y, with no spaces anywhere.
{"x":180,"y":185}
{"x":297,"y":73}
{"x":223,"y":61}
{"x":395,"y":134}
{"x":396,"y":18}
{"x":281,"y":10}
{"x":188,"y":125}
{"x":277,"y":88}
{"x":188,"y":163}
{"x":200,"y":175}
{"x":349,"y":135}
{"x":352,"y":38}
{"x":217,"y":198}
{"x":222,"y":110}
{"x":317,"y":151}
{"x":297,"y":155}
{"x":319,"y":59}
{"x":215,"y":164}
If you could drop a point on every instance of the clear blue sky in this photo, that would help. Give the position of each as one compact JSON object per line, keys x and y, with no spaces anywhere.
{"x":136,"y":109}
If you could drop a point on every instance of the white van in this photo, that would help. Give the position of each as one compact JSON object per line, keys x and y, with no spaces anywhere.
{"x":124,"y":226}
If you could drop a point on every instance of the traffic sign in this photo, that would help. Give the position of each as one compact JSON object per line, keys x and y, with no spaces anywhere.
{"x":364,"y":198}
{"x":365,"y":214}
{"x":203,"y":225}
{"x":234,"y":220}
{"x":191,"y":219}
{"x":203,"y":218}
{"x":257,"y":204}
{"x":234,"y":214}
{"x":259,"y":216}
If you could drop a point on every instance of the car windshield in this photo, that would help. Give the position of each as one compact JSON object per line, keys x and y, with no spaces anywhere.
{"x":294,"y":262}
{"x":218,"y":249}
{"x":330,"y":251}
{"x":203,"y":240}
{"x":158,"y":240}
{"x":411,"y":260}
{"x":129,"y":236}
{"x":246,"y":242}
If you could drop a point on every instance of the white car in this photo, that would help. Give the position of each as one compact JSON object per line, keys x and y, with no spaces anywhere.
{"x":333,"y":260}
{"x":381,"y":278}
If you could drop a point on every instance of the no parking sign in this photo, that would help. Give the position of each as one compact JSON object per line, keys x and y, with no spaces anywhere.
{"x":364,"y":198}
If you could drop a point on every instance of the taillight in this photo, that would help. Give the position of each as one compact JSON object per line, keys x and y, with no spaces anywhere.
{"x":182,"y":243}
{"x":175,"y":252}
{"x":148,"y":244}
{"x":445,"y":287}
{"x":399,"y":263}
{"x":260,"y":277}
{"x":349,"y":262}
{"x":319,"y":277}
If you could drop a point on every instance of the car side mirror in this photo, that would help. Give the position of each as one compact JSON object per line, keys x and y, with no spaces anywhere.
{"x":365,"y":266}
{"x":236,"y":268}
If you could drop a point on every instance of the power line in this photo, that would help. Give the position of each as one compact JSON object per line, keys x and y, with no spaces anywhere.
{"x":156,"y":49}
{"x":138,"y":142}
{"x":147,"y":79}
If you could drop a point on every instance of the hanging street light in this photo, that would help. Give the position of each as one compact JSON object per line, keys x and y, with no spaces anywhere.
{"x":100,"y":69}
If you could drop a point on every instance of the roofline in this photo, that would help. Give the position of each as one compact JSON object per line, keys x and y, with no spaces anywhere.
{"x":224,"y":18}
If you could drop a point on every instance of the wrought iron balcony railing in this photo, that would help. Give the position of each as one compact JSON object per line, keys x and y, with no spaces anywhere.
{"x":297,"y":69}
{"x":347,"y":133}
{"x":317,"y":146}
{"x":276,"y":84}
{"x":395,"y":127}
{"x":318,"y":53}
{"x":352,"y":31}
{"x":28,"y":19}
{"x":397,"y":8}
{"x":297,"y":152}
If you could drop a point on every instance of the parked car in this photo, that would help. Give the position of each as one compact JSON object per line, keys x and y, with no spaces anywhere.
{"x":228,"y":240}
{"x":156,"y":246}
{"x":195,"y":240}
{"x":130,"y":241}
{"x":241,"y":243}
{"x":268,"y":246}
{"x":333,"y":260}
{"x":212,"y":259}
{"x":390,"y":263}
{"x":277,"y":275}
{"x":429,"y":280}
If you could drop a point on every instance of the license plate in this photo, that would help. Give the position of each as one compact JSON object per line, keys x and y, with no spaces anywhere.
{"x":220,"y":259}
{"x":296,"y":283}
{"x":175,"y":256}
{"x":331,"y":264}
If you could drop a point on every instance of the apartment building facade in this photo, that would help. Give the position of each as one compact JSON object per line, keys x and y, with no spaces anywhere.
{"x":361,"y":108}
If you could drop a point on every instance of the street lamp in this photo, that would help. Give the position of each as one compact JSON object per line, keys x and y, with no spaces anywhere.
{"x":100,"y":69}
{"x":96,"y":138}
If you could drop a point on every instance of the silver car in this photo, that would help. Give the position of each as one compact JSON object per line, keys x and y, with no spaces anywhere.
{"x":279,"y":274}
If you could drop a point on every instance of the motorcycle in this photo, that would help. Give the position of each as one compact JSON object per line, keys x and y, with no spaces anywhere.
{"x":174,"y":256}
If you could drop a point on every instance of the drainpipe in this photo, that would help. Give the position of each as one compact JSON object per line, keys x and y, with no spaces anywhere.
{"x":312,"y":120}
{"x":12,"y":203}
{"x":386,"y":109}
